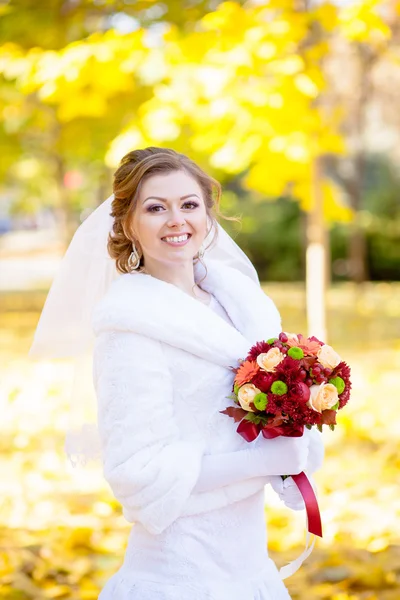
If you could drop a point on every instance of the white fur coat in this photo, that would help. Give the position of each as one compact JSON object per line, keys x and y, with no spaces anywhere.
{"x":162,"y":373}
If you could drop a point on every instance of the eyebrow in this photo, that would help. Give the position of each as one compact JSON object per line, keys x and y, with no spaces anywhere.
{"x":165,"y":199}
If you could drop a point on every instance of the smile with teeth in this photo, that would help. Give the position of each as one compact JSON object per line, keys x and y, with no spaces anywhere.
{"x":179,"y":239}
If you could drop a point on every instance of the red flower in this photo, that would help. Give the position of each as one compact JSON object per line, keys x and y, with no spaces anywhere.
{"x":275,"y":402}
{"x":273,"y":408}
{"x":288,"y":370}
{"x":258,"y":348}
{"x":343,"y":370}
{"x":286,"y":414}
{"x":299,"y":392}
{"x":300,"y":412}
{"x":263,"y":380}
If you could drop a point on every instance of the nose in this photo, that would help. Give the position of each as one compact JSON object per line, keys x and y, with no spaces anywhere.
{"x":176,"y":219}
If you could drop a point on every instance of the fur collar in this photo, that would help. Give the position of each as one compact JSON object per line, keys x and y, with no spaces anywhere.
{"x":152,"y":307}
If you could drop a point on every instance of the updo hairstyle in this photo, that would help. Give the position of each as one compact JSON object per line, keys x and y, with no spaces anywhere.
{"x":134,"y":169}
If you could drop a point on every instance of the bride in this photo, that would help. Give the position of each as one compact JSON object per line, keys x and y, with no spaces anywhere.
{"x":168,"y":330}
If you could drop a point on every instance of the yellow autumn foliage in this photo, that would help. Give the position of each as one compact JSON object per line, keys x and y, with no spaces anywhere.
{"x":245,"y":89}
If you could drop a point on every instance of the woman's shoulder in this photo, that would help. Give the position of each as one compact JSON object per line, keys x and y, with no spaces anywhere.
{"x":116,"y":305}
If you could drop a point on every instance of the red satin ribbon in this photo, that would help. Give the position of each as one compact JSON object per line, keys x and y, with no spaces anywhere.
{"x":311,"y":502}
{"x":249,"y":431}
{"x":292,"y":430}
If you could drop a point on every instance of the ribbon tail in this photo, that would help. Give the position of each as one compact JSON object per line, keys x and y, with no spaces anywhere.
{"x":295,"y":565}
{"x":311,"y":503}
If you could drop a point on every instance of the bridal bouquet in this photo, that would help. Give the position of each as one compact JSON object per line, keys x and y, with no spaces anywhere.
{"x":285,"y":384}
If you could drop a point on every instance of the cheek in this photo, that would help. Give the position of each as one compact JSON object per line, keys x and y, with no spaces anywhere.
{"x":199,"y":223}
{"x":147,"y":229}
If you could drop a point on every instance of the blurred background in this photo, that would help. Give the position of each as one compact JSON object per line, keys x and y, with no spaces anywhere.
{"x":293,"y":106}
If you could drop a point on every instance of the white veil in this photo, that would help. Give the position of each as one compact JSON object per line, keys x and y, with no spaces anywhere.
{"x":64,"y":329}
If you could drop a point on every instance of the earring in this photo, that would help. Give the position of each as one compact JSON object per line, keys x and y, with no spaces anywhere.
{"x":134,"y":259}
{"x":201,"y":250}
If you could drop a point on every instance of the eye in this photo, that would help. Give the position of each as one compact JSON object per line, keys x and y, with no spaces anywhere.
{"x":154,"y":206}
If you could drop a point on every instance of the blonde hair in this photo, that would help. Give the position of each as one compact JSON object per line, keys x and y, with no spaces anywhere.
{"x":134,"y":168}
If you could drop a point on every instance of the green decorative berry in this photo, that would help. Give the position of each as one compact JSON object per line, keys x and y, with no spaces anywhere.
{"x":338,"y":383}
{"x":272,"y":340}
{"x":279,"y":388}
{"x":296,"y":353}
{"x":260,"y":401}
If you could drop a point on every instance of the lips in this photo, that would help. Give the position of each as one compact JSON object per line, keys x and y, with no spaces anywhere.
{"x":177,"y":235}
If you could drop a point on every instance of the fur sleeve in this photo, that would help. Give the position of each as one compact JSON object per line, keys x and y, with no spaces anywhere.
{"x":149,"y":468}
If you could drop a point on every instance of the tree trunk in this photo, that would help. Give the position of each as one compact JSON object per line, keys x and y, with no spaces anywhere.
{"x":316,"y":258}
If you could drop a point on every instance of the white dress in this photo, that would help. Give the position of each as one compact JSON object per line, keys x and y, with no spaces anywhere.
{"x":217,"y":555}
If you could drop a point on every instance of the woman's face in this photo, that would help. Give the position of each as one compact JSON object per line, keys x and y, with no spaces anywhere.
{"x":169,"y":205}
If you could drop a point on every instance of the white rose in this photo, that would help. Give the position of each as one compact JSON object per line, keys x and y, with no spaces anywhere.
{"x":322,"y":396}
{"x":328,"y":358}
{"x":269,"y":360}
{"x":246,"y":395}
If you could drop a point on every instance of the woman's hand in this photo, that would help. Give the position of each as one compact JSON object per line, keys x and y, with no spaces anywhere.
{"x":262,"y":458}
{"x":283,"y":455}
{"x":316,"y":450}
{"x":280,"y":456}
{"x":288,"y":491}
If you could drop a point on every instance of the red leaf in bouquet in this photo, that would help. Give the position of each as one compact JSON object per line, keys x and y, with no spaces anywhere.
{"x":273,"y":427}
{"x":246,"y":372}
{"x":235,"y":412}
{"x":328,"y":417}
{"x":307,"y":362}
{"x":277,"y":420}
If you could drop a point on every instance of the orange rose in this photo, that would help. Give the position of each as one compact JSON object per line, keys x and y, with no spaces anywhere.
{"x":269,"y":360}
{"x":328,"y":358}
{"x":322,"y":397}
{"x":246,"y":395}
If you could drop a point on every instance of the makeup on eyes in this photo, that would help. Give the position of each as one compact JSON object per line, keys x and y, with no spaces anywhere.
{"x":150,"y":208}
{"x":165,"y":199}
